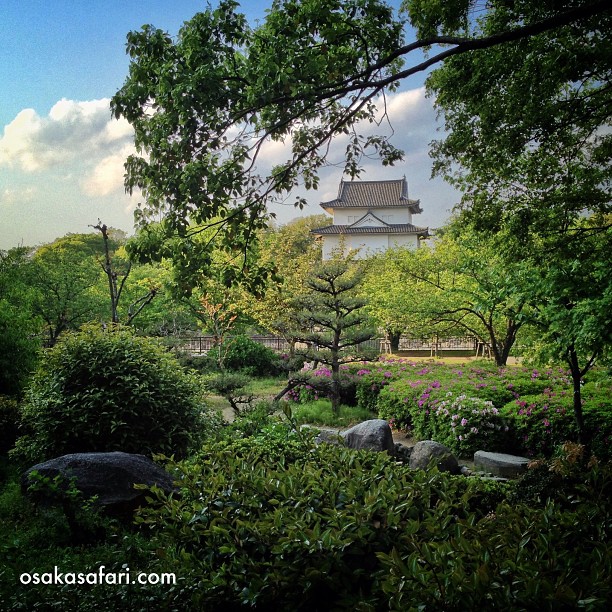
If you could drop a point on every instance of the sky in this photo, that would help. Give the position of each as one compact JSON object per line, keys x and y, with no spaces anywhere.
{"x":62,"y":155}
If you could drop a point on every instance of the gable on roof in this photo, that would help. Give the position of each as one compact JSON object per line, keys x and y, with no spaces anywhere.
{"x":369,"y":220}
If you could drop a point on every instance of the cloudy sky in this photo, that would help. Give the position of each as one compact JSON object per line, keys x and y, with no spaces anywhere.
{"x":61,"y":153}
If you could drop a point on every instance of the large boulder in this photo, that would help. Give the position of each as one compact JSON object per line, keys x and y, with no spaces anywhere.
{"x":373,"y":435}
{"x":428,"y":453}
{"x":108,"y":476}
{"x":500,"y":464}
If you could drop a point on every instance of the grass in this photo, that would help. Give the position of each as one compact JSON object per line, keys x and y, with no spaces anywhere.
{"x":319,"y":412}
{"x":266,"y":388}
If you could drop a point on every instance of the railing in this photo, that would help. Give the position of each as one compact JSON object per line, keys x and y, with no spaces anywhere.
{"x":200,"y":345}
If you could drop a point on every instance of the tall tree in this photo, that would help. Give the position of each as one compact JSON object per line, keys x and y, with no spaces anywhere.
{"x":527,"y":122}
{"x":459,"y":285}
{"x":571,"y":294}
{"x":19,"y":328}
{"x":204,"y":106}
{"x":529,"y":144}
{"x":65,"y":276}
{"x":294,"y":252}
{"x":332,"y":313}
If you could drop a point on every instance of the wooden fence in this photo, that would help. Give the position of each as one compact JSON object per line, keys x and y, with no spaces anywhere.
{"x":200,"y":345}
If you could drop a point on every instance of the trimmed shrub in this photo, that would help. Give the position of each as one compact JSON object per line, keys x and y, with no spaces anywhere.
{"x":241,"y":354}
{"x":318,"y":386}
{"x":467,"y":424}
{"x":111,"y":390}
{"x":282,"y":527}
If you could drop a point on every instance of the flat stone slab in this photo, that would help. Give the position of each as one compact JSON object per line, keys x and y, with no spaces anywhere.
{"x":500,"y":464}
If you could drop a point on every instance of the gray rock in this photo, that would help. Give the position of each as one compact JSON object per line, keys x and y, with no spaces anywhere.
{"x":329,"y":436}
{"x":428,"y":453}
{"x":109,"y":476}
{"x":403,"y":452}
{"x":370,"y":435}
{"x":500,"y":464}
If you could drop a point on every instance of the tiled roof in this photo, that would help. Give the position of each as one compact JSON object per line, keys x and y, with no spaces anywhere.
{"x":373,"y":194}
{"x":397,"y":228}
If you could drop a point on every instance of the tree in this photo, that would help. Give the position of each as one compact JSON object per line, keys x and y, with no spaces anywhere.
{"x":333,"y":315}
{"x":527,"y":122}
{"x":19,"y":328}
{"x":65,"y":277}
{"x":294,"y":252}
{"x":529,"y":144}
{"x":204,"y":106}
{"x":458,"y":285}
{"x":571,"y":293}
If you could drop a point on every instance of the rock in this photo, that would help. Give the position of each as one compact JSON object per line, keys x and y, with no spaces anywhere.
{"x":370,"y":435}
{"x":427,"y":453}
{"x":330,"y":437}
{"x":403,"y":452}
{"x":500,"y":464}
{"x":109,"y":476}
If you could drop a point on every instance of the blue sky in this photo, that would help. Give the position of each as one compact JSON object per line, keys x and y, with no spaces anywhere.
{"x":60,"y":152}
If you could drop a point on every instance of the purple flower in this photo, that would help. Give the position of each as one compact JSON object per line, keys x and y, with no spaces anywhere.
{"x":464,"y":422}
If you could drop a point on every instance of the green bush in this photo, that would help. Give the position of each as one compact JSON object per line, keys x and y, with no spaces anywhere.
{"x":19,"y":349}
{"x":241,"y":354}
{"x":319,"y":412}
{"x":110,"y":390}
{"x":337,"y":529}
{"x":9,"y":423}
{"x":203,"y":364}
{"x":543,"y":422}
{"x":467,"y":424}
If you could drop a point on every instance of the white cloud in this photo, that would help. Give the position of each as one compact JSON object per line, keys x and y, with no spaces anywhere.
{"x":72,"y":132}
{"x":13,"y":197}
{"x":107,"y":175}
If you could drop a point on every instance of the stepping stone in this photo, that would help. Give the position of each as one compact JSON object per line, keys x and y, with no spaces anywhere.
{"x":500,"y":464}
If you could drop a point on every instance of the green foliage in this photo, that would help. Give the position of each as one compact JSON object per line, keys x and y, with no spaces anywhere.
{"x":35,"y":539}
{"x":9,"y":423}
{"x":232,"y":387}
{"x":111,"y":390}
{"x":331,"y":528}
{"x":432,"y":401}
{"x":320,"y":412}
{"x":332,"y":320}
{"x":251,"y":420}
{"x":542,"y":422}
{"x":19,"y":348}
{"x":241,"y":354}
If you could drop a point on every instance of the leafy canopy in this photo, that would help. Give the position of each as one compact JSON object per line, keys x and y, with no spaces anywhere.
{"x":205,"y":105}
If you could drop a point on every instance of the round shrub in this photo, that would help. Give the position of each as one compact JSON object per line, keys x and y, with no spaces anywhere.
{"x":248,"y":356}
{"x":108,"y":391}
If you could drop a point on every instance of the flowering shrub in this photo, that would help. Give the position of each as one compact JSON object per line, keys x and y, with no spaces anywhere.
{"x":544,"y":421}
{"x":467,"y":424}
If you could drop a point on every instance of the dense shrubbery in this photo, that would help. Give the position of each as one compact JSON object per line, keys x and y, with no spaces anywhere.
{"x":9,"y":423}
{"x":286,"y":526}
{"x":546,"y":420}
{"x":477,"y":406}
{"x":266,"y":520}
{"x":241,"y":354}
{"x":110,"y":390}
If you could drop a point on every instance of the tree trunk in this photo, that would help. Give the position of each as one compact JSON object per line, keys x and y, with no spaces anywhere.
{"x":394,"y":340}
